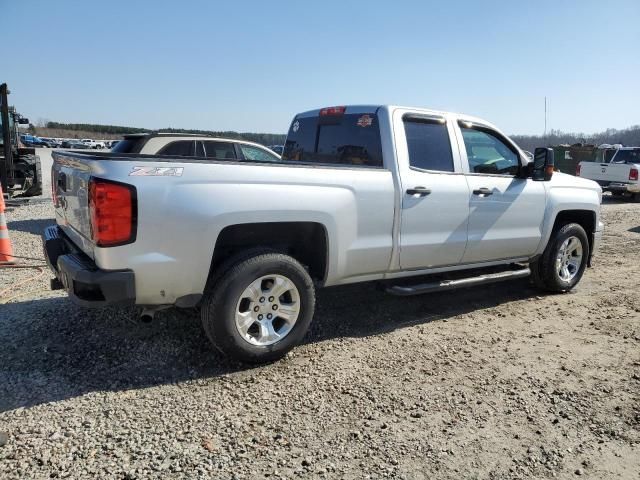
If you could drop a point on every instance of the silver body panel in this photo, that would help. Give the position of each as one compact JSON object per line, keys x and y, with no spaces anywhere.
{"x":374,"y":230}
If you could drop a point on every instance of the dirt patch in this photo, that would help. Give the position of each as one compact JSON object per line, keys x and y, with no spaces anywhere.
{"x":493,"y":382}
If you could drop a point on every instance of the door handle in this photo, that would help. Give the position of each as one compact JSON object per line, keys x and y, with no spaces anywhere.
{"x":420,"y":191}
{"x":483,"y":191}
{"x":62,"y":182}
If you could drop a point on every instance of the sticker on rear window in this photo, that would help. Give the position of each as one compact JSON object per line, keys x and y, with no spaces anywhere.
{"x":365,"y":121}
{"x":156,"y":172}
{"x":296,"y":126}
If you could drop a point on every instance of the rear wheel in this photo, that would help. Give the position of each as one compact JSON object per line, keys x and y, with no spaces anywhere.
{"x":260,"y":308}
{"x":563,"y":262}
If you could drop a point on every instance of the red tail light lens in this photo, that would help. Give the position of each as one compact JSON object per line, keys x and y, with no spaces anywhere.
{"x":578,"y":170}
{"x":112,"y":207}
{"x":633,"y":174}
{"x":332,"y":111}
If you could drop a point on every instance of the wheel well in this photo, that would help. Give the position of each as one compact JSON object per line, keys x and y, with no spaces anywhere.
{"x":585,"y":218}
{"x":304,"y":241}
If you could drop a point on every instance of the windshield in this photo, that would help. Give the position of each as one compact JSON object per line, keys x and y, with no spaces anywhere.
{"x":627,"y":156}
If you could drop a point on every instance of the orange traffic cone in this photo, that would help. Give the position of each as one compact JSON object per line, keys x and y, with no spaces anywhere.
{"x":6,"y":250}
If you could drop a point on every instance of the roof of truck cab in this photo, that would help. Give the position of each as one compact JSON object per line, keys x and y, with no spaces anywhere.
{"x":366,"y":108}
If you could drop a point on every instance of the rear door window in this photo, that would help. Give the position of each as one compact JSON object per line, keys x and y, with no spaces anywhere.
{"x":180,"y":148}
{"x":344,"y":139}
{"x":428,"y":144}
{"x":219,"y":150}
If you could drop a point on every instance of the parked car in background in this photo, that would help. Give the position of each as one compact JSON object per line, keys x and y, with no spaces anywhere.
{"x":33,"y":141}
{"x":193,"y":145}
{"x":51,"y":142}
{"x":361,"y":193}
{"x":74,"y":143}
{"x":112,"y":143}
{"x":620,"y":175}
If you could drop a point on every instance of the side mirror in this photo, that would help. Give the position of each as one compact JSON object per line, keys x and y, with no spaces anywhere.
{"x":23,"y":121}
{"x":543,"y":163}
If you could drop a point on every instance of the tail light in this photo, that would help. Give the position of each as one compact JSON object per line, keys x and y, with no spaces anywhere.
{"x":113,"y":212}
{"x":633,"y":174}
{"x":578,"y":170}
{"x":332,"y":111}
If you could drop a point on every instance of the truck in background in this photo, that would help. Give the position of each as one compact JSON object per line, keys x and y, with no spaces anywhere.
{"x":619,"y":175}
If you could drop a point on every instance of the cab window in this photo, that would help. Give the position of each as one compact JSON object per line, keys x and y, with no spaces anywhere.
{"x":219,"y":150}
{"x":180,"y":148}
{"x":428,"y":144}
{"x":488,"y":153}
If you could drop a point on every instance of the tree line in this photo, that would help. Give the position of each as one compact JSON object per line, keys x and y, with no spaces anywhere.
{"x":262,"y":138}
{"x":629,"y":137}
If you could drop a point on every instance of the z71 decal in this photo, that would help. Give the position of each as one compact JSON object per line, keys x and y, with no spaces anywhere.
{"x":156,"y":172}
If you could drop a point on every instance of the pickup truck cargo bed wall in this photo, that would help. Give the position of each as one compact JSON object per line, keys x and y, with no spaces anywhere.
{"x":185,"y":214}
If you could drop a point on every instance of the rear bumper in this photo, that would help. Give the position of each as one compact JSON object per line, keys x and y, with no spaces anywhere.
{"x":623,"y":187}
{"x":86,"y":284}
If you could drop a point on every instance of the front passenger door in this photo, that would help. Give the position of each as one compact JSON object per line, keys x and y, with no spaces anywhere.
{"x":505,"y":211}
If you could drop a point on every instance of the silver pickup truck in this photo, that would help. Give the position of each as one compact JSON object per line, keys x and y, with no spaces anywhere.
{"x":361,"y":193}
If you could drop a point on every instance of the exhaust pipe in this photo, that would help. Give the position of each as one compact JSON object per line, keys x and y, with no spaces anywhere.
{"x":147,"y":316}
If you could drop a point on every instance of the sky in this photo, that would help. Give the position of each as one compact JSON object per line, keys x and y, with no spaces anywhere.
{"x":250,"y":66}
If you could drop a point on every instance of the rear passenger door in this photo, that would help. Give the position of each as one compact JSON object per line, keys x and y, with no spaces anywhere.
{"x":435,"y":194}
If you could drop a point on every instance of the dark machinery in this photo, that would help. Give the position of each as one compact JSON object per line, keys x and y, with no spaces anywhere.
{"x":20,"y":170}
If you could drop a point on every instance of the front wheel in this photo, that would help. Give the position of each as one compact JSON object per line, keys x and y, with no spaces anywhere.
{"x":260,"y":308}
{"x":564,"y":260}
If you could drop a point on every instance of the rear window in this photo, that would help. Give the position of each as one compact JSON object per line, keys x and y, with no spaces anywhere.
{"x":129,"y":145}
{"x":347,"y":139}
{"x":627,"y":156}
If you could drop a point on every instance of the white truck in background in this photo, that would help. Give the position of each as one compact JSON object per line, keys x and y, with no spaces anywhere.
{"x":95,"y":144}
{"x":619,"y":176}
{"x":418,"y":200}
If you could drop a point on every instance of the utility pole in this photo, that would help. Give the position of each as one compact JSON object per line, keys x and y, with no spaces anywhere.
{"x":545,"y":117}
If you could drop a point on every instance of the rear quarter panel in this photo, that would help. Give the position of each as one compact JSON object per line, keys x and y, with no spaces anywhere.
{"x":180,"y":218}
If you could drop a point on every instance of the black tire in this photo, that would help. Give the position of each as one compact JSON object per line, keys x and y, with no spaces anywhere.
{"x":224,"y":291}
{"x":544,"y":273}
{"x":635,"y":197}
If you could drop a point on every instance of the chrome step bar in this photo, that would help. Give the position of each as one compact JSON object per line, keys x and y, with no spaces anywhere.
{"x":406,"y":290}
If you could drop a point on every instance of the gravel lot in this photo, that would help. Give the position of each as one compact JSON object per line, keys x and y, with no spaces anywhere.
{"x":491,"y":382}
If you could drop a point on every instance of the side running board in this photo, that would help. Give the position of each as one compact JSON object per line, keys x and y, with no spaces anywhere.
{"x":406,"y":290}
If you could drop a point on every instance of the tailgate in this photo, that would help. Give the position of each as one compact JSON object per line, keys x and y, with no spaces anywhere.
{"x":609,"y":172}
{"x":70,"y":176}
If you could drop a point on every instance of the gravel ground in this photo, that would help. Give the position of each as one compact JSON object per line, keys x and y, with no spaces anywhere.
{"x":492,"y":382}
